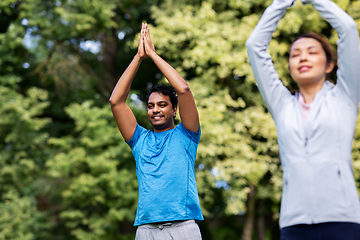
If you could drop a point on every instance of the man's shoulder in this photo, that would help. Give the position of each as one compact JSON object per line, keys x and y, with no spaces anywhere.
{"x":194,"y":136}
{"x":138,"y":133}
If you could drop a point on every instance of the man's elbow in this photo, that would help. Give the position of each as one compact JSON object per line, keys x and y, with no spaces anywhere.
{"x":113,"y":102}
{"x":184,"y":89}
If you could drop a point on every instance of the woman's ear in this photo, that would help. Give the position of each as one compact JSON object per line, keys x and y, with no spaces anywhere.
{"x":329,"y":67}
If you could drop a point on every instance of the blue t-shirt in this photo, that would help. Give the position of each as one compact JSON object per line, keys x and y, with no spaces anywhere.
{"x":166,"y":175}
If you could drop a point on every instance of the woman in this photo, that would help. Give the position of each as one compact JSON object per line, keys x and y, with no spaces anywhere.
{"x":315,"y":126}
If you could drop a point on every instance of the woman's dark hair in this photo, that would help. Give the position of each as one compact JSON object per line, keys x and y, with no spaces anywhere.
{"x":164,"y":90}
{"x":330,"y":56}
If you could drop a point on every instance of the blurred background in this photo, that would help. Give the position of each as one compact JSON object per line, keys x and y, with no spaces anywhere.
{"x":66,"y":172}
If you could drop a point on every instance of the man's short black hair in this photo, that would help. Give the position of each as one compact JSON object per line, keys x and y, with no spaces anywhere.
{"x":164,"y":90}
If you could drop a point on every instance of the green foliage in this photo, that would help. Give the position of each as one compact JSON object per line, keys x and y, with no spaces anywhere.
{"x":22,"y":157}
{"x":206,"y":43}
{"x":238,"y":143}
{"x":356,"y":154}
{"x":97,"y":172}
{"x":22,"y":154}
{"x":20,"y":219}
{"x":66,"y":172}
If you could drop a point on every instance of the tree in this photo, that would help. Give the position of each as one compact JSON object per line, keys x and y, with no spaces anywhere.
{"x":96,"y":174}
{"x":45,"y":67}
{"x":238,"y":152}
{"x":66,"y":173}
{"x":22,"y":156}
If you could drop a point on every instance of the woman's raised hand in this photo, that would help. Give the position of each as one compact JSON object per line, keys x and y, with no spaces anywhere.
{"x":304,"y":2}
{"x":288,"y":3}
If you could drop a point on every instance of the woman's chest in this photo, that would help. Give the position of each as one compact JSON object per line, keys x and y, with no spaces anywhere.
{"x":329,"y":121}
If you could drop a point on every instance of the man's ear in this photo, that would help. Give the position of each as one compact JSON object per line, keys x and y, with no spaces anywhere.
{"x":175,"y":109}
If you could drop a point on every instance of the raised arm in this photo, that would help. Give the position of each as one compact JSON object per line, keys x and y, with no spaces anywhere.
{"x":187,"y":108}
{"x":271,"y":88}
{"x":124,"y":117}
{"x":348,"y":72}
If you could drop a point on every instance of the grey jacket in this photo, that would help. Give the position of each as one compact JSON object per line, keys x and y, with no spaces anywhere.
{"x":316,"y":158}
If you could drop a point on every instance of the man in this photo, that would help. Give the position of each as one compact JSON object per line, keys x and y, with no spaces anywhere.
{"x":168,"y":199}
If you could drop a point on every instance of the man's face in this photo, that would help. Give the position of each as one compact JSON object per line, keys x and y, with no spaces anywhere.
{"x":160,"y":112}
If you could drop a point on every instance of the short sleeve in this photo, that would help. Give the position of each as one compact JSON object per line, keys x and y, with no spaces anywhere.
{"x":194,"y":136}
{"x":139,"y":130}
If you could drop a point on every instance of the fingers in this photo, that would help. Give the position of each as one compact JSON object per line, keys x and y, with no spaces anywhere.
{"x":143,"y":32}
{"x":143,"y":28}
{"x":146,"y":31}
{"x":304,"y":2}
{"x":141,"y":48}
{"x":289,"y":3}
{"x":149,"y":46}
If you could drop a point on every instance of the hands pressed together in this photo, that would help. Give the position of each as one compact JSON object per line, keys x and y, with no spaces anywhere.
{"x":146,"y":48}
{"x":304,"y":2}
{"x":291,"y":3}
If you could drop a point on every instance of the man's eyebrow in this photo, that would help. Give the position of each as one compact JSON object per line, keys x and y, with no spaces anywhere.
{"x":159,"y":102}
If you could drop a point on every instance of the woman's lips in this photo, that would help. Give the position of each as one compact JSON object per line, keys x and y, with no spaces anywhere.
{"x":304,"y":68}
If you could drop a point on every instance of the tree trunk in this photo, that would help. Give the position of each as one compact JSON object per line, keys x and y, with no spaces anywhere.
{"x":109,"y":55}
{"x":260,"y":222}
{"x":250,"y":215}
{"x":275,"y":230}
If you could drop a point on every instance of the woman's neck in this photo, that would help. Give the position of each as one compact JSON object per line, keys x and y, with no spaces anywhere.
{"x":309,"y":91}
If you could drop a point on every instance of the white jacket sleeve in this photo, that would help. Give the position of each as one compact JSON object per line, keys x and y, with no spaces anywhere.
{"x":348,"y":72}
{"x":270,"y":86}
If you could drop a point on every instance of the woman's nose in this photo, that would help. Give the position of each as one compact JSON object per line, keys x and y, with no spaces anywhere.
{"x":303,"y":56}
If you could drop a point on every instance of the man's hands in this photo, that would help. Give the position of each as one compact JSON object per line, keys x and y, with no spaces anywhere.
{"x":141,"y":49}
{"x":149,"y":46}
{"x":146,"y":48}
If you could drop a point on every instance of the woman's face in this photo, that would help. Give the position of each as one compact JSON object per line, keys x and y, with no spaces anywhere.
{"x":307,"y":62}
